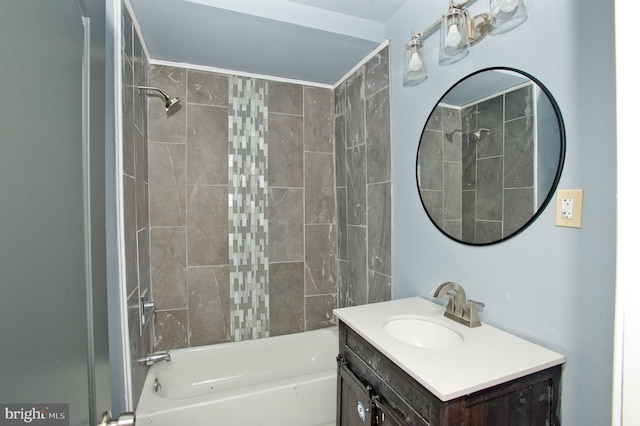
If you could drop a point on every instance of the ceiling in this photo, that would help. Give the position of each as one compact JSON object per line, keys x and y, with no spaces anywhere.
{"x":316,"y":41}
{"x":482,"y":85}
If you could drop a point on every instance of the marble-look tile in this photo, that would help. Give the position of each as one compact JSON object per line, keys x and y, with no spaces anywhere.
{"x":489,"y":189}
{"x":286,"y":98}
{"x":430,"y":161}
{"x":452,"y":131}
{"x":469,"y":168}
{"x":286,"y":224}
{"x":207,"y":145}
{"x":209,"y":300}
{"x":320,"y":311}
{"x":490,"y":116}
{"x":172,"y":330}
{"x":488,"y":231}
{"x":140,"y":69}
{"x":379,"y":228}
{"x":319,"y":186}
{"x":340,"y":151}
{"x":147,"y":341}
{"x":453,"y":228}
{"x":357,"y":185}
{"x":379,"y":287}
{"x":286,"y":150}
{"x":468,"y":216}
{"x":519,"y":153}
{"x":434,"y":122}
{"x":207,"y":225}
{"x":320,"y":259}
{"x":452,"y":191}
{"x":167,"y":184}
{"x":318,"y":123}
{"x":142,"y":187}
{"x":207,"y":88}
{"x":376,"y":72}
{"x":357,"y":273}
{"x":339,"y":99}
{"x":166,"y":126}
{"x":343,"y":284}
{"x":518,"y":103}
{"x":341,"y":221}
{"x":518,"y":208}
{"x":286,"y":298}
{"x":144,"y":261}
{"x":433,"y":202}
{"x":169,"y":267}
{"x":137,"y":347}
{"x":128,"y":128}
{"x":130,"y":233}
{"x":378,"y":130}
{"x":127,"y":33}
{"x":355,"y":109}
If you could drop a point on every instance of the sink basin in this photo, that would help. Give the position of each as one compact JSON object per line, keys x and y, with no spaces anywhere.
{"x":423,"y":333}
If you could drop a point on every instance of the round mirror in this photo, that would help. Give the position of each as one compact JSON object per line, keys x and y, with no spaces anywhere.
{"x":490,"y":156}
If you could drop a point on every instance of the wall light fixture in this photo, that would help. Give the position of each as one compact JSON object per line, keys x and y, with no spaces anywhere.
{"x":458,"y":32}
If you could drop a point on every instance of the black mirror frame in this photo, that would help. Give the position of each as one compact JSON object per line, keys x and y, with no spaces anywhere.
{"x":561,"y":157}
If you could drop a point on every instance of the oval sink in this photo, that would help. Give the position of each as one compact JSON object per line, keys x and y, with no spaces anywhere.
{"x":422,"y":333}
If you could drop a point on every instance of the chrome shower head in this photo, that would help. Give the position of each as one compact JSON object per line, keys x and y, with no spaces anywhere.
{"x":169,"y":101}
{"x":476,"y":135}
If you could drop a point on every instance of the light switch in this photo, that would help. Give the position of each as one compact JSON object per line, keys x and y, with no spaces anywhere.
{"x":569,"y":208}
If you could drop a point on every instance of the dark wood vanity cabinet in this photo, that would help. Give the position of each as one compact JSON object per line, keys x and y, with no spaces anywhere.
{"x":372,"y":390}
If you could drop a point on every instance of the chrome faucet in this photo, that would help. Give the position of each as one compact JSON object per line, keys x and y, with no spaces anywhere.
{"x":459,"y":308}
{"x":157,"y":358}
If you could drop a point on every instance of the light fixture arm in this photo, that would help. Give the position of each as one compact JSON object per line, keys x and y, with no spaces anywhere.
{"x":436,"y":25}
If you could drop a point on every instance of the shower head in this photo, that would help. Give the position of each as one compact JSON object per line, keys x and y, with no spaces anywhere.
{"x":450,"y":135}
{"x":476,"y":135}
{"x":168,"y":100}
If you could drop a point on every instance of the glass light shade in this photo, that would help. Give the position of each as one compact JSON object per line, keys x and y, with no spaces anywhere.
{"x":415,"y":64}
{"x":454,"y":36}
{"x":507,"y":14}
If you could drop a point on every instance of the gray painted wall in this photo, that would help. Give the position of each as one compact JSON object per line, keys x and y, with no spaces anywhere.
{"x":554,"y":286}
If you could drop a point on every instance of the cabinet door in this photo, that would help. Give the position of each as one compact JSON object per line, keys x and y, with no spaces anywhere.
{"x":354,"y":400}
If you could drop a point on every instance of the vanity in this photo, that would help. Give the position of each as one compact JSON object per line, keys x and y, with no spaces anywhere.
{"x":403,"y":363}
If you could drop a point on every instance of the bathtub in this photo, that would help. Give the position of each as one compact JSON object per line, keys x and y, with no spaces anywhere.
{"x":285,"y":380}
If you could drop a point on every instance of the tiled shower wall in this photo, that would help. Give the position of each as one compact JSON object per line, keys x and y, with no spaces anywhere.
{"x":461,"y":180}
{"x":242,"y":208}
{"x":363,"y":183}
{"x":135,"y":189}
{"x":244,"y":172}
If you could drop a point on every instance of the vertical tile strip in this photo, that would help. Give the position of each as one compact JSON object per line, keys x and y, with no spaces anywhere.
{"x":248,"y":208}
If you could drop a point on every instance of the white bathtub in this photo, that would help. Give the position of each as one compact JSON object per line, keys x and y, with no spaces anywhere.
{"x":277,"y":381}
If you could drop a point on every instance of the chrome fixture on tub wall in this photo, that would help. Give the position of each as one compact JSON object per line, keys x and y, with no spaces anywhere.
{"x":169,"y":101}
{"x":458,"y":32}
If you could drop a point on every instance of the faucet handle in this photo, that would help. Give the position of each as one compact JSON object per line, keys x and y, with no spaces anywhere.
{"x":471,"y":314}
{"x":474,"y":303}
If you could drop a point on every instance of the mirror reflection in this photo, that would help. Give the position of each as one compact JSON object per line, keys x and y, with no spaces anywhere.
{"x":490,"y":156}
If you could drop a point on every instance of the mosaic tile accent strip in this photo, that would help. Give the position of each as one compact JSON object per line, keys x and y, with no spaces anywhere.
{"x":248,"y":208}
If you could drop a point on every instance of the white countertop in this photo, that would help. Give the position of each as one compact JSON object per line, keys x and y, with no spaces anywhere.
{"x":487,"y":357}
